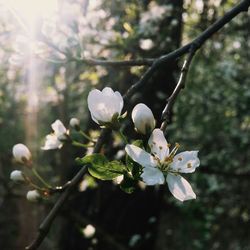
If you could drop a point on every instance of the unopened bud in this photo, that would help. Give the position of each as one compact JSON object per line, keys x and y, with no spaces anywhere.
{"x":33,"y":195}
{"x":74,"y":123}
{"x":143,"y":119}
{"x":17,"y":176}
{"x":21,"y":153}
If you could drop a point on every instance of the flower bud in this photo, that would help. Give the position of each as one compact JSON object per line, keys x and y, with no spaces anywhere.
{"x":89,"y":231}
{"x":33,"y":195}
{"x":17,"y":175}
{"x":75,"y":123}
{"x":143,"y":119}
{"x":21,"y":153}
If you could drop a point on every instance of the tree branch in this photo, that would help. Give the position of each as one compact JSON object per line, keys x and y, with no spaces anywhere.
{"x":180,"y":85}
{"x":195,"y":44}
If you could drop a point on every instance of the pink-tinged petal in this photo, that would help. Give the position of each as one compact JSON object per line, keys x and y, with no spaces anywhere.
{"x":152,"y":176}
{"x":140,"y":156}
{"x":185,"y":162}
{"x":180,"y":188}
{"x":158,"y":144}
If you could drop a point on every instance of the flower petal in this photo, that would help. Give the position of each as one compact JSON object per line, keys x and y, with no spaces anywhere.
{"x":143,"y":118}
{"x":52,"y":142}
{"x":152,"y":176}
{"x":185,"y":162}
{"x":158,"y":144}
{"x":103,"y":105}
{"x":180,"y":188}
{"x":58,"y":128}
{"x":119,"y":100}
{"x":140,"y":156}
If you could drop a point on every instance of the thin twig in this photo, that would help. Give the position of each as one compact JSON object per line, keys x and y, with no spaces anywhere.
{"x":197,"y":43}
{"x":180,"y":85}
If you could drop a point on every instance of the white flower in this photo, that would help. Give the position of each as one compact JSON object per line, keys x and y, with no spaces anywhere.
{"x":33,"y":195}
{"x":89,"y":231}
{"x":21,"y":153}
{"x":74,"y":123}
{"x":143,"y":118}
{"x":161,"y":162}
{"x":17,"y":175}
{"x":55,"y":140}
{"x":104,"y":105}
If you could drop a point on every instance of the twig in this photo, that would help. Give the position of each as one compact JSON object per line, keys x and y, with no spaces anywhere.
{"x":68,"y":188}
{"x":181,"y":84}
{"x":197,"y":43}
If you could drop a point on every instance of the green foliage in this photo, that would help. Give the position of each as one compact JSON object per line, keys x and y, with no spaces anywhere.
{"x":100,"y":168}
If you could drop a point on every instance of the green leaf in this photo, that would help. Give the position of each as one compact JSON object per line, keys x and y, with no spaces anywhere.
{"x":128,"y":184}
{"x":138,"y":143}
{"x":101,"y":168}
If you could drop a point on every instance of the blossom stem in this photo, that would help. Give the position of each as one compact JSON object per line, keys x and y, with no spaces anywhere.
{"x":30,"y":182}
{"x":86,"y":136}
{"x":123,"y":136}
{"x":39,"y":177}
{"x":81,"y":145}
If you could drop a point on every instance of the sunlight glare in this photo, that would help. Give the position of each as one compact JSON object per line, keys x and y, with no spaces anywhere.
{"x":32,"y":10}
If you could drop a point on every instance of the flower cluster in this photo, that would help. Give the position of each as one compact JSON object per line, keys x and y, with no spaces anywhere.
{"x":154,"y":164}
{"x":159,"y":165}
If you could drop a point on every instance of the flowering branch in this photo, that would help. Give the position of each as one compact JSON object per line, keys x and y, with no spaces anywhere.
{"x":190,"y":48}
{"x":195,"y":44}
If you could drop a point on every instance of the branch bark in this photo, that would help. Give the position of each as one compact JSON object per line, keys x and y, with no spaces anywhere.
{"x":195,"y":45}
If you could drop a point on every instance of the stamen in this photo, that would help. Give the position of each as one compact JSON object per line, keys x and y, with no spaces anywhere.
{"x":179,"y":159}
{"x":189,"y":165}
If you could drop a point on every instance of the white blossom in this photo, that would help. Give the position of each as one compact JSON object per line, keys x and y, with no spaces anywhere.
{"x":143,"y":118}
{"x":89,"y":231}
{"x":21,"y":153}
{"x":17,"y":175}
{"x":146,"y":44}
{"x":55,"y":139}
{"x":33,"y":195}
{"x":161,"y":163}
{"x":104,"y":105}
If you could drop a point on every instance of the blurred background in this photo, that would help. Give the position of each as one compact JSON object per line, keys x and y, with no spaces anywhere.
{"x":42,"y":79}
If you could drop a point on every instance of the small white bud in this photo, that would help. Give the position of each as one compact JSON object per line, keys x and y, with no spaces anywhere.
{"x":17,"y":175}
{"x":88,"y":231}
{"x":21,"y":153}
{"x":143,"y":118}
{"x":74,"y":123}
{"x":33,"y":195}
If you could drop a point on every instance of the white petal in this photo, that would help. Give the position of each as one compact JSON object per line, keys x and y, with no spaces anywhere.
{"x":158,"y":144}
{"x":113,"y":100}
{"x":58,"y":128}
{"x":185,"y":162}
{"x":52,"y":142}
{"x":140,"y":156}
{"x":152,"y":176}
{"x":143,"y":118}
{"x":119,"y":100}
{"x":103,"y":105}
{"x":21,"y":152}
{"x":180,"y":188}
